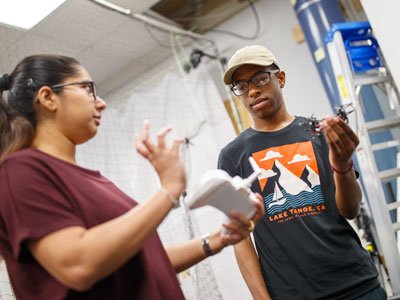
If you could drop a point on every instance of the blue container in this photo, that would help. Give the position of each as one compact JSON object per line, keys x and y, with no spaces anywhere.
{"x":362,"y":48}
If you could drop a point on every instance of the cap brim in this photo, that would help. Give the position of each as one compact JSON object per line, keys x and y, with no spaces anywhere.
{"x":229,"y":73}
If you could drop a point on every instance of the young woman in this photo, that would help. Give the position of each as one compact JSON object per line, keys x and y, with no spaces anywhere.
{"x":66,"y":232}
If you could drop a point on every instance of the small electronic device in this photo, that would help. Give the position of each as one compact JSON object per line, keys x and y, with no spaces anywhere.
{"x":217,"y":188}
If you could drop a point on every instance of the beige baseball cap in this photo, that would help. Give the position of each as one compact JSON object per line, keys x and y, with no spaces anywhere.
{"x":249,"y":55}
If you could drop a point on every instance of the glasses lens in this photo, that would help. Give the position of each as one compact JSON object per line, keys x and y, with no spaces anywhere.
{"x":94,"y":90}
{"x":261,"y":79}
{"x":240,"y":88}
{"x":91,"y":88}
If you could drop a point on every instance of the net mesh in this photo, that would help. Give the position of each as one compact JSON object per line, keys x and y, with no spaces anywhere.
{"x":198,"y":116}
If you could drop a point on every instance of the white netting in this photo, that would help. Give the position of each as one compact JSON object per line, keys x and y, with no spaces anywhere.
{"x":6,"y":292}
{"x":192,"y":105}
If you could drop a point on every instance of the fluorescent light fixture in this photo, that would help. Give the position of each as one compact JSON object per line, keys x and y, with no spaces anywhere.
{"x":26,"y":13}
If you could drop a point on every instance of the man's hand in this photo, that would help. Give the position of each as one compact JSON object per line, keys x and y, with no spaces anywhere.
{"x":342,"y":142}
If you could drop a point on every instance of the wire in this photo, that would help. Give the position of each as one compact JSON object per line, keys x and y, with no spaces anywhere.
{"x":216,"y":16}
{"x":159,"y":42}
{"x":249,"y":38}
{"x":196,"y":5}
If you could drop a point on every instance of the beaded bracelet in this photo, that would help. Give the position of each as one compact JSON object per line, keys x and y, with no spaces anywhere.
{"x":349,"y":168}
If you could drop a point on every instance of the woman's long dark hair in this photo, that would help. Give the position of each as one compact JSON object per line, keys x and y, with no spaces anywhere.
{"x":17,"y":113}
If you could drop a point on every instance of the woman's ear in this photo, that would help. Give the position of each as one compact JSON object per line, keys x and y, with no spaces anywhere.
{"x":46,"y":97}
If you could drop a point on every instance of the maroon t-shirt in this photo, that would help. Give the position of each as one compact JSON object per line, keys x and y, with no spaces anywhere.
{"x":40,"y":194}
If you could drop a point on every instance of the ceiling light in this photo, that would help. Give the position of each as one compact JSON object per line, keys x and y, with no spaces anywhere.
{"x":26,"y":13}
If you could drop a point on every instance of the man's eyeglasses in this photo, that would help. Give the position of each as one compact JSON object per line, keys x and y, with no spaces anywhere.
{"x":90,"y":86}
{"x":242,"y":87}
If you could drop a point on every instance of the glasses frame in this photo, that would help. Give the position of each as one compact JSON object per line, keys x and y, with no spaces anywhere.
{"x":89,"y":82}
{"x":251,"y":80}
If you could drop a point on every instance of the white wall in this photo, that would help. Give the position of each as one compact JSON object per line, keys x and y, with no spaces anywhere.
{"x":303,"y":91}
{"x":383,"y":16}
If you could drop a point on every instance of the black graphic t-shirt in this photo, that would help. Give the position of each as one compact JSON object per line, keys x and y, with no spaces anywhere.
{"x":307,"y":250}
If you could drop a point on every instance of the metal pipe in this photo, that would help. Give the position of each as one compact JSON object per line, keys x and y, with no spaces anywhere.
{"x":316,"y":18}
{"x":152,"y":21}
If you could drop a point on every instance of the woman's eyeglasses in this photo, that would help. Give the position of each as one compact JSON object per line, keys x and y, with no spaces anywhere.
{"x":90,"y":86}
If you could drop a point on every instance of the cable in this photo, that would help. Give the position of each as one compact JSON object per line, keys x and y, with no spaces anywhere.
{"x":249,"y":38}
{"x":216,"y":16}
{"x":196,"y":5}
{"x":160,"y":43}
{"x":195,"y":59}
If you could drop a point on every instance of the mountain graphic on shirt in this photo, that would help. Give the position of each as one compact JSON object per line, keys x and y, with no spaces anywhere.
{"x":285,"y":190}
{"x":310,"y":177}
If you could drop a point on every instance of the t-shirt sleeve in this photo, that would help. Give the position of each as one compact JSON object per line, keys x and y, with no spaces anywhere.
{"x":36,"y":205}
{"x":226,"y":163}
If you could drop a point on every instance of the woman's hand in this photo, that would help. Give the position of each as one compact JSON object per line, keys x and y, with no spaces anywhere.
{"x":165,"y":160}
{"x":239,"y":226}
{"x":187,"y":254}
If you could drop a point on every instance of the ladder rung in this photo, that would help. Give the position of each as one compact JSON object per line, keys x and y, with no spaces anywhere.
{"x":389,"y":174}
{"x":393,"y":205}
{"x":396,"y":226}
{"x":385,"y":145}
{"x":382,"y":124}
{"x":371,"y":79}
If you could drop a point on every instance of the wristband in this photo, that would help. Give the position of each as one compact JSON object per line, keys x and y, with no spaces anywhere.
{"x":349,"y":168}
{"x":205,"y":243}
{"x":169,"y":196}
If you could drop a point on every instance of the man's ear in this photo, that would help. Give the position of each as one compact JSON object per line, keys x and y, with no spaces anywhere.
{"x":282,"y":78}
{"x":46,"y":97}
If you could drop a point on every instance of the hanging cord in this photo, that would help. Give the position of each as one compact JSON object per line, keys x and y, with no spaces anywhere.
{"x":243,"y":37}
{"x":175,"y":44}
{"x":187,"y":215}
{"x":181,"y":68}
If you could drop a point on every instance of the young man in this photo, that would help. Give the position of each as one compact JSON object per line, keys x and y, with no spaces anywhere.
{"x":306,"y":248}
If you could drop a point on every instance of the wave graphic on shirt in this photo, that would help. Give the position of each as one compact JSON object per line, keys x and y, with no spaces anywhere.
{"x":285,"y":190}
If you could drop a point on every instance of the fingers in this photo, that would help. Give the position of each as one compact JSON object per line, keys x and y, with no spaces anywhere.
{"x":239,"y":218}
{"x":161,"y":135}
{"x":239,"y":223}
{"x":177,"y":144}
{"x":145,"y":147}
{"x":140,"y":147}
{"x":341,"y":128}
{"x":260,"y":212}
{"x":340,"y":137}
{"x":231,"y":239}
{"x":142,"y":142}
{"x":238,"y":228}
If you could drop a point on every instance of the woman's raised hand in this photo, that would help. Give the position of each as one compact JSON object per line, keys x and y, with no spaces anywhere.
{"x":165,"y":160}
